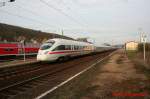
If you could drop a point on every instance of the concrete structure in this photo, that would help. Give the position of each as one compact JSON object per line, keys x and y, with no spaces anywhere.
{"x":132,"y":45}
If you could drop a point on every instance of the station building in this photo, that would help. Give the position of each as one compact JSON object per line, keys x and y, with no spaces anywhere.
{"x":131,"y":45}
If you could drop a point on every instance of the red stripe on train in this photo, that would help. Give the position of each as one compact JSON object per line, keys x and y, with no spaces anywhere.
{"x":62,"y":52}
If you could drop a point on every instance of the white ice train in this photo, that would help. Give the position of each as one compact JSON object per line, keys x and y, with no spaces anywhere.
{"x":60,"y":49}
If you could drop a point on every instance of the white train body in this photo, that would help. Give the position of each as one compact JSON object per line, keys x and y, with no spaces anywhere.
{"x":54,"y":49}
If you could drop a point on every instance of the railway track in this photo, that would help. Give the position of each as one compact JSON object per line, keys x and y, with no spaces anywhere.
{"x":18,"y":82}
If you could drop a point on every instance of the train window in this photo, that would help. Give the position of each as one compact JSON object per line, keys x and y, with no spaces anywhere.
{"x":76,"y":47}
{"x":45,"y":47}
{"x":60,"y":47}
{"x":84,"y":47}
{"x":8,"y":49}
{"x":72,"y":47}
{"x":67,"y":47}
{"x":80,"y":47}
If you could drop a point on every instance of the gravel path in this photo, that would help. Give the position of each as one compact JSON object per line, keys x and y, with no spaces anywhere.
{"x":116,"y":76}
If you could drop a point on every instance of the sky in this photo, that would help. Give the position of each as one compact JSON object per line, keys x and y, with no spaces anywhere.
{"x":102,"y":21}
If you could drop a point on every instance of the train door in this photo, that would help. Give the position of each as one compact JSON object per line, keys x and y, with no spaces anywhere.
{"x":20,"y":48}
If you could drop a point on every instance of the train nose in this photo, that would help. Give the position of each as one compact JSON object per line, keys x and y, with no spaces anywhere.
{"x":42,"y":55}
{"x":45,"y":56}
{"x":43,"y":52}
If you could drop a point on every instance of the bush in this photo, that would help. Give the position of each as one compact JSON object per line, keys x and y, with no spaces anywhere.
{"x":12,"y":33}
{"x":147,"y":47}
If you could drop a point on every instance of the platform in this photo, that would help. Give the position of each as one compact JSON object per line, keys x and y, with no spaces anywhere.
{"x":17,"y":62}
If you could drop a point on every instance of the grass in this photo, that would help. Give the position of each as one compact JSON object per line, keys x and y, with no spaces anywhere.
{"x":134,"y":86}
{"x":131,"y":54}
{"x":141,"y":67}
{"x":137,"y":58}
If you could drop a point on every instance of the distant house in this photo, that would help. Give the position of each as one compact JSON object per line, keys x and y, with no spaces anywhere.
{"x":132,"y":45}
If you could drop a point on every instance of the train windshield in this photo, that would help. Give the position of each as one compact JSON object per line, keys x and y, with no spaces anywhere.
{"x":46,"y":46}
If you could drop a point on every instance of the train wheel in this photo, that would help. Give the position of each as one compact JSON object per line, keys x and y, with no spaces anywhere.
{"x":60,"y":59}
{"x":67,"y":58}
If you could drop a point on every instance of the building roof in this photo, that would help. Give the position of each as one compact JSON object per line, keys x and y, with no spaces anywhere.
{"x":131,"y":41}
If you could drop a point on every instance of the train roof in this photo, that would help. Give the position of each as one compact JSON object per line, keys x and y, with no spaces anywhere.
{"x":66,"y":40}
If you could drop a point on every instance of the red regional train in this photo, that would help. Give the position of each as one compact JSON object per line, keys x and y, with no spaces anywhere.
{"x":18,"y":48}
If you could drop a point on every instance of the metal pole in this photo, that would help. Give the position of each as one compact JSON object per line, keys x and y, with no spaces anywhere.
{"x":144,"y":50}
{"x":62,"y":32}
{"x":24,"y":54}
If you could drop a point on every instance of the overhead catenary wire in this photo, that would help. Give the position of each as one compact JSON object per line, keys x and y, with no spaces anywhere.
{"x":68,"y":8}
{"x":63,"y":13}
{"x":36,"y":14}
{"x":27,"y":10}
{"x":32,"y":12}
{"x":26,"y":18}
